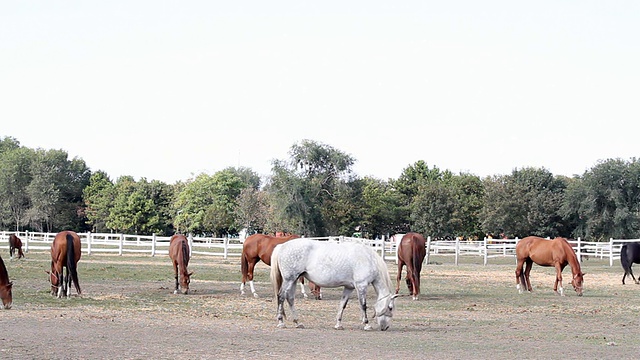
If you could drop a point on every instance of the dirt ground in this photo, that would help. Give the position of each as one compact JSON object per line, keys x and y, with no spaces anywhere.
{"x":466,"y":312}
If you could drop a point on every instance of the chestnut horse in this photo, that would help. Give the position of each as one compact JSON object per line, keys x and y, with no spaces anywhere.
{"x":179,"y":254}
{"x":259,"y":247}
{"x":5,"y":287}
{"x":15,"y":244}
{"x":557,"y":253}
{"x":65,"y":253}
{"x":629,"y":254}
{"x":411,"y":252}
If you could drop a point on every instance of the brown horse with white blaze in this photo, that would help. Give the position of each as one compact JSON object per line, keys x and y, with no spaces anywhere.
{"x":260,"y":247}
{"x":15,"y":244}
{"x":411,"y":252}
{"x":179,"y":254}
{"x":5,"y":287}
{"x":557,"y":253}
{"x":66,"y":251}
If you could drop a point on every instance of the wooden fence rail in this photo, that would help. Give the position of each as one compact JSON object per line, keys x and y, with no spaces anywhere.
{"x":232,"y":247}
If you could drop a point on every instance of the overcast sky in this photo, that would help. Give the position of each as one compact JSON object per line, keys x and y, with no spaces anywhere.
{"x":167,"y":90}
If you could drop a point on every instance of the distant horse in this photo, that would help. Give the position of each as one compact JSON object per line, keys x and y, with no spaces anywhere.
{"x":351,"y":264}
{"x":5,"y":287}
{"x":65,"y":253}
{"x":259,"y":247}
{"x":15,"y":244}
{"x":557,"y":253}
{"x":629,"y":254}
{"x":179,"y":254}
{"x":411,"y":252}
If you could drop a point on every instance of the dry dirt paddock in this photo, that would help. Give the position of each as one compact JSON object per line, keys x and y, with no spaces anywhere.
{"x":469,"y":311}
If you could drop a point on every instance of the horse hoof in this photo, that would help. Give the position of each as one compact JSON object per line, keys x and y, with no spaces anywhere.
{"x":175,"y":292}
{"x":338,"y":327}
{"x":281,"y":326}
{"x":367,"y":327}
{"x":299,"y":326}
{"x":255,"y":295}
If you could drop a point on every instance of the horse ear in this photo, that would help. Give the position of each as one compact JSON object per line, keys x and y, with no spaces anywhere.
{"x":47,"y":272}
{"x":191,"y":273}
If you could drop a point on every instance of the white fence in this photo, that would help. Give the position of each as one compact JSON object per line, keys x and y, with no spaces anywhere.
{"x":231,"y":247}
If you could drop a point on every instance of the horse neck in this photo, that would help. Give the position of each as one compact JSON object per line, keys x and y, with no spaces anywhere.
{"x":572,"y":258}
{"x":382,"y":284}
{"x":183,"y":255}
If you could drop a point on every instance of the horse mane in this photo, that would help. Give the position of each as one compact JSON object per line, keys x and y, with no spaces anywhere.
{"x":185,"y":257}
{"x":71,"y":262}
{"x":4,"y":275}
{"x":382,"y":269}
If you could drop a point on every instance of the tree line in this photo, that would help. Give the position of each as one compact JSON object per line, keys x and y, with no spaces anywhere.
{"x":315,"y":192}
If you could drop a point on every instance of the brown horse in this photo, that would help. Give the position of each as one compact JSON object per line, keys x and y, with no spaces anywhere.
{"x":179,"y":254}
{"x":259,"y":247}
{"x":65,"y":253}
{"x":5,"y":287}
{"x":15,"y":244}
{"x":557,"y":253}
{"x":411,"y":252}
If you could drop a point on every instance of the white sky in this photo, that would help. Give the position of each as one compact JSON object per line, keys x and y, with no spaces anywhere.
{"x":169,"y":89}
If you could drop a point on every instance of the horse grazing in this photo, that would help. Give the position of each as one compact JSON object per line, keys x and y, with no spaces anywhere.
{"x":629,"y":254}
{"x":65,"y":253}
{"x":352,"y":265}
{"x":259,"y":247}
{"x":557,"y":253}
{"x":15,"y":244}
{"x":5,"y":287}
{"x":179,"y":254}
{"x":411,"y":253}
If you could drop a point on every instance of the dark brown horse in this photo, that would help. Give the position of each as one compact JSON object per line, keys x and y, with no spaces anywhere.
{"x":179,"y":254}
{"x":557,"y":253}
{"x":5,"y":287}
{"x":15,"y":244}
{"x":259,"y":247}
{"x":629,"y":255}
{"x":65,"y":253}
{"x":411,"y":252}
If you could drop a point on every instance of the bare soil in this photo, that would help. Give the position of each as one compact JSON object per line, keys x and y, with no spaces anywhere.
{"x":468,"y":311}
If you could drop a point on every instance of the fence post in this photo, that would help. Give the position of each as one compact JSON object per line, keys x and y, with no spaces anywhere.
{"x":190,"y":238}
{"x":153,"y":245}
{"x":579,"y":251}
{"x":89,"y":243}
{"x":26,"y":241}
{"x":486,"y":255}
{"x":610,"y":252}
{"x":428,"y":250}
{"x":225,"y":241}
{"x":515,"y":254}
{"x":121,"y":243}
{"x":457,"y":249}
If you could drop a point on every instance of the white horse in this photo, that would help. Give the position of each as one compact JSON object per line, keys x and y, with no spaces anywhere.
{"x":351,"y":264}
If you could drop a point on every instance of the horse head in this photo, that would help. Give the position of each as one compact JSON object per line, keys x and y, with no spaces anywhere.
{"x":5,"y":295}
{"x":576,"y":282}
{"x":384,"y":311}
{"x":53,"y":279}
{"x":185,"y":280}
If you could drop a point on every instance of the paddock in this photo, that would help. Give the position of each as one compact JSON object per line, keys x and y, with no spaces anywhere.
{"x":467,"y":310}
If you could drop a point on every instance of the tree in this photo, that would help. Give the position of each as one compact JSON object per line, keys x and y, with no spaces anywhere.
{"x":99,"y":196}
{"x":15,"y":176}
{"x":527,"y":202}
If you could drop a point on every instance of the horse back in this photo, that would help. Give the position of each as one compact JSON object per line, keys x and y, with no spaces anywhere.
{"x":412,"y":248}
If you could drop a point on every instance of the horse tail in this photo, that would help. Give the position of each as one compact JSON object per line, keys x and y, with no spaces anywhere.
{"x":419,"y":251}
{"x":71,"y":263}
{"x":624,"y":259}
{"x":276,"y":275}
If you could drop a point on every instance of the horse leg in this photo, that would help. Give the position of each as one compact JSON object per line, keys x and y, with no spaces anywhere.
{"x":362,"y":298}
{"x":176,"y":274}
{"x":343,"y":304}
{"x":252,"y":265}
{"x":527,"y":278}
{"x":519,"y":284}
{"x":399,"y":277}
{"x":631,"y":273}
{"x":287,"y":292}
{"x":304,"y":293}
{"x":558,"y":284}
